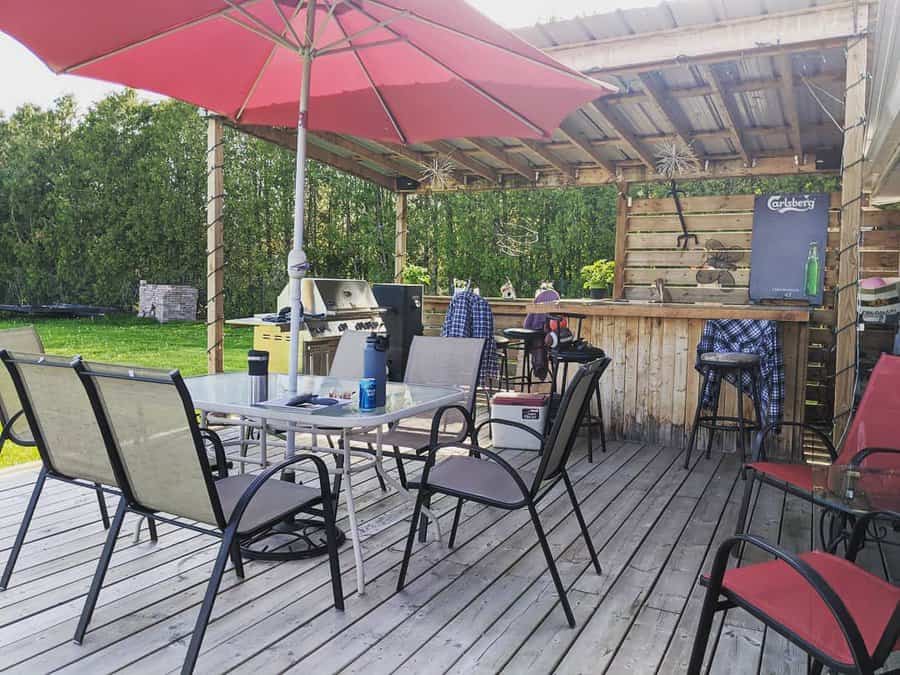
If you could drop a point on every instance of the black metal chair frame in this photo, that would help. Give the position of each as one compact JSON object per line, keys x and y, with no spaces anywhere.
{"x":840,"y":520}
{"x":589,"y":418}
{"x":716,"y":422}
{"x":227,"y":529}
{"x":531,"y":496}
{"x":47,"y":471}
{"x":864,"y":663}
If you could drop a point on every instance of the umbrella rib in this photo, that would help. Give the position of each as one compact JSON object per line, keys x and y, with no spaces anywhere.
{"x":287,"y":44}
{"x":563,"y":70}
{"x":482,"y":92}
{"x":365,"y":31}
{"x":265,"y":66}
{"x":384,"y":104}
{"x":263,"y":29}
{"x":288,"y":23}
{"x":151,"y":38}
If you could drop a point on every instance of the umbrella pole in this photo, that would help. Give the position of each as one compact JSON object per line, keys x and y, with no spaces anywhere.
{"x":297,"y":262}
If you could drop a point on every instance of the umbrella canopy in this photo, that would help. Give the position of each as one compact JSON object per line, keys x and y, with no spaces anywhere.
{"x":390,"y":70}
{"x":401,"y":71}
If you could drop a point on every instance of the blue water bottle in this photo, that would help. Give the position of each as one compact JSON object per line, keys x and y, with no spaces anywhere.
{"x":375,"y":365}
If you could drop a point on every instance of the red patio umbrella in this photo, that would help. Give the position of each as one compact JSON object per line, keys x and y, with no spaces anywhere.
{"x":401,"y":71}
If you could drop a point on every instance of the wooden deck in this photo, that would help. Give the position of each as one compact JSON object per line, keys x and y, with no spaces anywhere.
{"x":485,"y":607}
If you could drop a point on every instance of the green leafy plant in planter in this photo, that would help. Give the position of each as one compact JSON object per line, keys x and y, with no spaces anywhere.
{"x":414,"y":274}
{"x":597,"y":278}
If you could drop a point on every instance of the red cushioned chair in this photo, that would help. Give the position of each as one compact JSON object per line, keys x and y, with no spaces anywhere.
{"x":872,"y":441}
{"x":841,"y":615}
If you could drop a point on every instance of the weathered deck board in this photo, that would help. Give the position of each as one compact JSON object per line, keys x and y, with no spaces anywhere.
{"x":487,"y":606}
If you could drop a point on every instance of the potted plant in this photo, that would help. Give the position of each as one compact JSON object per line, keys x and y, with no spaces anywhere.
{"x":597,"y":278}
{"x":414,"y":274}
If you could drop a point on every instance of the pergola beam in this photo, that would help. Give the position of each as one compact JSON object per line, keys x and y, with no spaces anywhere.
{"x":361,"y":151}
{"x":626,"y":136}
{"x":810,"y":28}
{"x":789,"y":101}
{"x":561,"y":165}
{"x":583,"y":143}
{"x":722,"y":100}
{"x":516,"y":164}
{"x":215,"y":246}
{"x":670,"y":109}
{"x":459,"y":157}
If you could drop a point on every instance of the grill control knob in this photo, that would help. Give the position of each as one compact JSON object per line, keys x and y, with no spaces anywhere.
{"x":342,"y":327}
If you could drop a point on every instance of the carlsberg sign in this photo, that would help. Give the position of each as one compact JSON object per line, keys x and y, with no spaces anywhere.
{"x":791,"y":203}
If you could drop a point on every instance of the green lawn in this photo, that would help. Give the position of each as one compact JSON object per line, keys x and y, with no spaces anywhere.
{"x":128,"y":340}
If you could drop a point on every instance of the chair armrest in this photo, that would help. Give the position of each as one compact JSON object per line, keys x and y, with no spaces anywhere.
{"x":510,"y":423}
{"x":810,"y":576}
{"x":865,"y":453}
{"x":261,"y":479}
{"x":438,"y":419}
{"x":758,"y":449}
{"x":222,"y":463}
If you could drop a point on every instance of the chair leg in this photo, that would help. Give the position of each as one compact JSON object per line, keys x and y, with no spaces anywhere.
{"x":101,"y":502}
{"x":600,"y":419}
{"x":456,"y":514}
{"x":423,"y":520}
{"x":334,"y":561}
{"x":742,"y":431}
{"x":151,"y":528}
{"x":381,"y":482}
{"x":693,"y":438}
{"x":407,"y":553}
{"x":209,"y":600}
{"x":102,"y":565}
{"x":581,"y":523}
{"x":23,"y":529}
{"x":815,"y":667}
{"x":401,"y":470}
{"x":701,"y":639}
{"x":551,"y":565}
{"x":336,"y":484}
{"x":712,"y":432}
{"x":236,"y":559}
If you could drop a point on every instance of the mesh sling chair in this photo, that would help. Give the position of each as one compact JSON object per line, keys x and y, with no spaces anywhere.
{"x":61,"y":420}
{"x":12,"y":417}
{"x":486,"y":478}
{"x":154,"y":443}
{"x":873,"y":440}
{"x":841,"y":615}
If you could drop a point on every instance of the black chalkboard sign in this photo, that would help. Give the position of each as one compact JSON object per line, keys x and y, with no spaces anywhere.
{"x":787,"y":260}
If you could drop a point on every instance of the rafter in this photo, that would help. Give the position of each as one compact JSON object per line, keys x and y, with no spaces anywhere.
{"x":727,"y":110}
{"x":626,"y":136}
{"x":789,"y":101}
{"x":583,"y":143}
{"x":361,"y":151}
{"x":561,"y":165}
{"x":461,"y":159}
{"x":518,"y":165}
{"x":669,"y":107}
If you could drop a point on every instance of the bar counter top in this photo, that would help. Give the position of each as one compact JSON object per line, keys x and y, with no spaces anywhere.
{"x":671,"y":310}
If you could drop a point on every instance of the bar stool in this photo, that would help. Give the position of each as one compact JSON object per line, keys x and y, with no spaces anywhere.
{"x":564,"y":358}
{"x":725,"y":363}
{"x":521,"y":339}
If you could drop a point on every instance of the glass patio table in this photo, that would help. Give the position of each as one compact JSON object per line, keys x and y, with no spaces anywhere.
{"x":850,"y":491}
{"x":230,"y":393}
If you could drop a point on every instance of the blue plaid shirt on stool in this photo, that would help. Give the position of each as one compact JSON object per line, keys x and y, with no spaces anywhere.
{"x":749,"y":336}
{"x":470,"y":315}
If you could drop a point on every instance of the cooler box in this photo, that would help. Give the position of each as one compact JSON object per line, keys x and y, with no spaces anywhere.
{"x":521,"y":407}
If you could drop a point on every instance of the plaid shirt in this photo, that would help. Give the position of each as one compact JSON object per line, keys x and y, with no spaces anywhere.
{"x":470,"y":315}
{"x":750,"y":337}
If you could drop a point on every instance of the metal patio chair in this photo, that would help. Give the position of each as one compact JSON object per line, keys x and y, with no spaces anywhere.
{"x":60,"y":419}
{"x":486,"y":478}
{"x":841,"y":615}
{"x":873,"y":440}
{"x":12,"y":417}
{"x":157,"y":453}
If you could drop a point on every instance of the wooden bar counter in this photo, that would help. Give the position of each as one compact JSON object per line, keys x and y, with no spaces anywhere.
{"x":650,"y":390}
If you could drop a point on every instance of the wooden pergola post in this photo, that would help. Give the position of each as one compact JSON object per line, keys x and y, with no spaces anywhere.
{"x":215,"y":246}
{"x":851,"y":220}
{"x":400,"y":237}
{"x":621,"y":240}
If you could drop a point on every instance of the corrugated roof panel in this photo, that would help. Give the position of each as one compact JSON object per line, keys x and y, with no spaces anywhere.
{"x":606,"y":25}
{"x":692,"y":13}
{"x":646,"y":19}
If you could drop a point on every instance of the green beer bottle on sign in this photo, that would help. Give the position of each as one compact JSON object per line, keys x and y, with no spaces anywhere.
{"x":812,"y":270}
